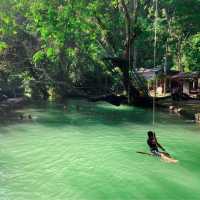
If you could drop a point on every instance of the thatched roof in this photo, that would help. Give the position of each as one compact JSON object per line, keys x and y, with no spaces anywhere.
{"x":186,"y":75}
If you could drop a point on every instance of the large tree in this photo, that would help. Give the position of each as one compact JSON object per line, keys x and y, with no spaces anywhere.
{"x":62,"y":44}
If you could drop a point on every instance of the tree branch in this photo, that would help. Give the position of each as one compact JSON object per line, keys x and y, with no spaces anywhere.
{"x":107,"y":36}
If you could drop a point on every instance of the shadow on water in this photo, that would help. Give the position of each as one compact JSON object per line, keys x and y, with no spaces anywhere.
{"x":96,"y":114}
{"x":54,"y":115}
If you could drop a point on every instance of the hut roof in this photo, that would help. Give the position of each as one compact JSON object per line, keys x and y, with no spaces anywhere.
{"x":186,"y":75}
{"x":149,"y":74}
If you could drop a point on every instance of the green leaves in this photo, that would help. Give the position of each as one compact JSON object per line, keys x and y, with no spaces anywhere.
{"x":3,"y":46}
{"x":51,"y":54}
{"x":192,"y":53}
{"x":39,"y":56}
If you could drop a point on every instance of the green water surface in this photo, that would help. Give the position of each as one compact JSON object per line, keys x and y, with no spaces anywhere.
{"x":90,"y":154}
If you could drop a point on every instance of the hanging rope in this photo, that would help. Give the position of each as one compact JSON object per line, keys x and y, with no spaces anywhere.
{"x":129,"y":66}
{"x":154,"y":59}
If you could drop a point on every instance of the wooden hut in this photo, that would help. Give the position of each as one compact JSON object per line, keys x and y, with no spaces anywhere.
{"x":159,"y":80}
{"x":189,"y":83}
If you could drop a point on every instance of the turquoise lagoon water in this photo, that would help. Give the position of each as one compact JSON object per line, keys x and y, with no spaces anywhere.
{"x":90,"y":154}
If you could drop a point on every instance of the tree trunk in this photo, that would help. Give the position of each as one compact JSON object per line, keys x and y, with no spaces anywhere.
{"x":132,"y":92}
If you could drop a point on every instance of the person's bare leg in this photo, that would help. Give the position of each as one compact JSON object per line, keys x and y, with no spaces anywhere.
{"x":168,"y":159}
{"x":166,"y":154}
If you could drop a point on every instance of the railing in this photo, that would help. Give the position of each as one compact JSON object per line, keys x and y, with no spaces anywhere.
{"x":139,"y":82}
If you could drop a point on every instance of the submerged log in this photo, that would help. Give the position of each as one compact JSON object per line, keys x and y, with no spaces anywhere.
{"x":117,"y":100}
{"x":113,"y":99}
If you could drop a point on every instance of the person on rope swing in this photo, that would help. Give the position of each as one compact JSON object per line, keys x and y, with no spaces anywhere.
{"x":154,"y":145}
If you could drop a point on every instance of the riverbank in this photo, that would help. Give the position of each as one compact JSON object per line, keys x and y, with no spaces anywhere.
{"x":186,"y":109}
{"x":8,"y":106}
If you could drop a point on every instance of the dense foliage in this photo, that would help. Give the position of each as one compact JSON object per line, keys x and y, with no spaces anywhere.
{"x":60,"y":46}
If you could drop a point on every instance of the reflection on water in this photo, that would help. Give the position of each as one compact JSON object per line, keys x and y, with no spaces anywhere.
{"x":90,"y":154}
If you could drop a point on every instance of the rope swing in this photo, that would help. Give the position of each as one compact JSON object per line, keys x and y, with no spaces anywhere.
{"x":154,"y":60}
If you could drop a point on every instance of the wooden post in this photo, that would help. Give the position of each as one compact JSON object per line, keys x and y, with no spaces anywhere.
{"x":165,"y":83}
{"x":156,"y":86}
